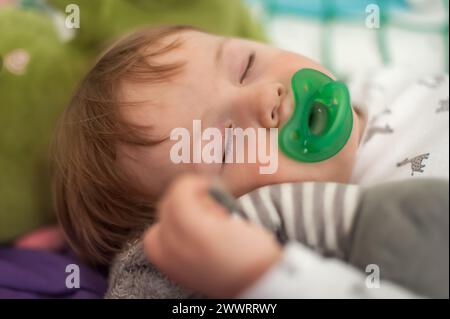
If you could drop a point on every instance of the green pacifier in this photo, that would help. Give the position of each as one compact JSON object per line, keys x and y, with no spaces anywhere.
{"x":322,"y":119}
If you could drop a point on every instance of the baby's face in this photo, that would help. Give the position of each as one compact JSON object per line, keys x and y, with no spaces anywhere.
{"x":226,"y":82}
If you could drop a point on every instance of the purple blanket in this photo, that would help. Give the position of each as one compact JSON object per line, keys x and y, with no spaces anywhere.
{"x":39,"y":274}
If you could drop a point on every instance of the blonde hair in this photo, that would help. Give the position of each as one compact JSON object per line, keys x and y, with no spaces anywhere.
{"x":96,"y":205}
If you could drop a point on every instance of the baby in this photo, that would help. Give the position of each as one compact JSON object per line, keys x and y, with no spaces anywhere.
{"x":113,"y":145}
{"x":113,"y":142}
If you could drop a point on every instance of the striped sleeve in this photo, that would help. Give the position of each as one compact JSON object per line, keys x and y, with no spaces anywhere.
{"x":318,"y":215}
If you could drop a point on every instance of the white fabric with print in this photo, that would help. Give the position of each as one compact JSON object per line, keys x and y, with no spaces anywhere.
{"x":407,"y":129}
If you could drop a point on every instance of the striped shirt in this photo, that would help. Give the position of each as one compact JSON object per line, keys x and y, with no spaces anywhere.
{"x":318,"y":215}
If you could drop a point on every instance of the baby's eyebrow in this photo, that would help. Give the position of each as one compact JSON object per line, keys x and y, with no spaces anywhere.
{"x":219,"y":51}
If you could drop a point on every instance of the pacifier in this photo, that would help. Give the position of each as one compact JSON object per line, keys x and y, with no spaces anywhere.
{"x":322,"y":119}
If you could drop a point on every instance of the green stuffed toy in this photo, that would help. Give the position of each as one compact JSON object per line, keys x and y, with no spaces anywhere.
{"x":40,"y":67}
{"x":37,"y":76}
{"x":101,"y":21}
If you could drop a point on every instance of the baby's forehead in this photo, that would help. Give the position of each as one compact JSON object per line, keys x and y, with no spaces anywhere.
{"x":181,"y":59}
{"x":157,"y":109}
{"x":144,"y":105}
{"x":166,"y":100}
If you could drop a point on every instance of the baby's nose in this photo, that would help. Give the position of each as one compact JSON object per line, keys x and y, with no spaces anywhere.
{"x":270,"y":104}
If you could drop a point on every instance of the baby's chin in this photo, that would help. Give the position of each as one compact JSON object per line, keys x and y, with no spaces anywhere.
{"x":336,"y":169}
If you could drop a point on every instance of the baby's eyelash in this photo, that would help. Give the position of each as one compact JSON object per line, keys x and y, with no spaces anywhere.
{"x":251,"y":61}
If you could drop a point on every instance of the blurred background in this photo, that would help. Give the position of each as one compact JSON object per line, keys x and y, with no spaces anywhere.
{"x":42,"y":59}
{"x":342,"y":35}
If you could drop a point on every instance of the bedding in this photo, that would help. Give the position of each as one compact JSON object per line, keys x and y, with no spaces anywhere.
{"x":372,"y":33}
{"x":39,"y":274}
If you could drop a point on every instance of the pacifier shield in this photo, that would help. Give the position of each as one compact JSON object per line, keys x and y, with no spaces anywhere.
{"x":322,"y":120}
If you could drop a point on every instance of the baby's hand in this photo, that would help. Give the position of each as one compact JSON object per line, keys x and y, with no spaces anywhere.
{"x":199,"y":245}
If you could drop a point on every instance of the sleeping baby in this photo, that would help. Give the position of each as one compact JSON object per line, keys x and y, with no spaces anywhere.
{"x":113,"y":143}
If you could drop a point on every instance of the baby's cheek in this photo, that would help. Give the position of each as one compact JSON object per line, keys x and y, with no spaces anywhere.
{"x":241,"y":178}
